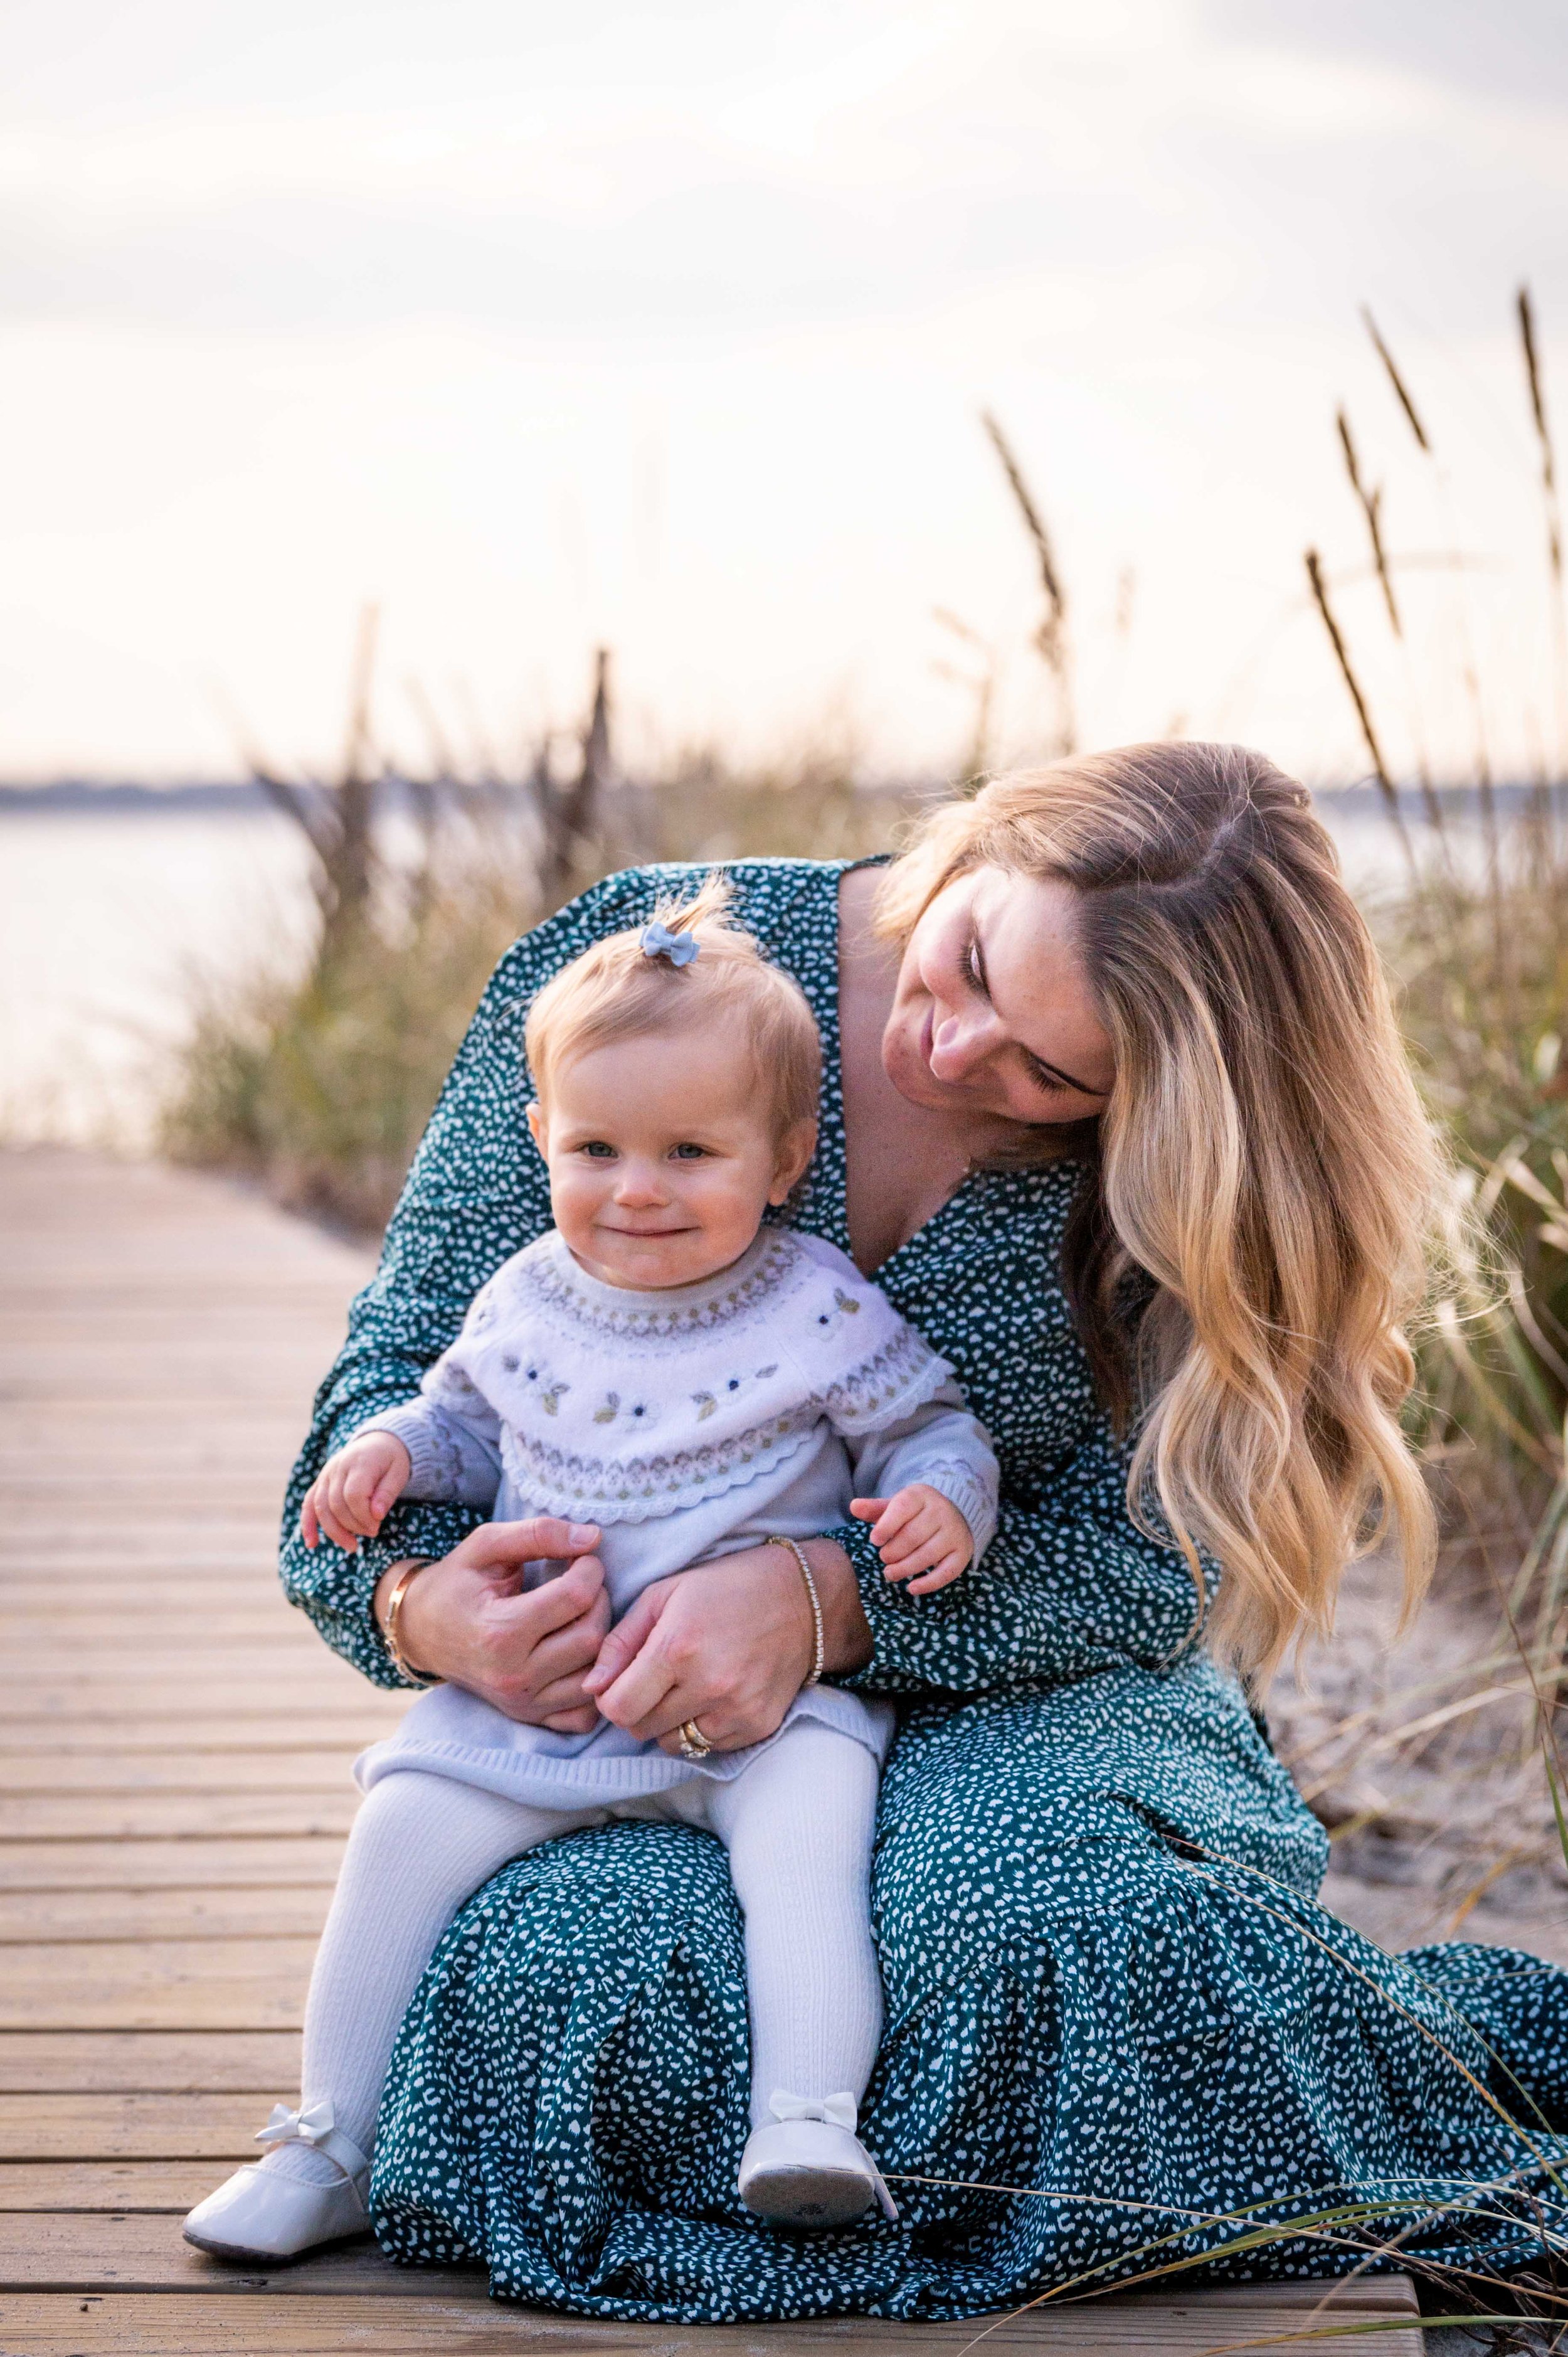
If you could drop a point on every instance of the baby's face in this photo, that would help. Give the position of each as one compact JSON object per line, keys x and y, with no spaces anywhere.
{"x":663,"y":1156}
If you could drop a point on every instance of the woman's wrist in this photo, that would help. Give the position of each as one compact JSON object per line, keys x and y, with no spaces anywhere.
{"x":381,"y":1599}
{"x":846,"y":1632}
{"x":391,"y":1604}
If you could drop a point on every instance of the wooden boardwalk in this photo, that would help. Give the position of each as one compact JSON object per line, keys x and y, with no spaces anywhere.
{"x":174,"y":1792}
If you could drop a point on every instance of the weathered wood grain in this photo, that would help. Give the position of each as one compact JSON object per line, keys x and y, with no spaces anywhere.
{"x":199,"y":1913}
{"x":164,"y":1864}
{"x":218,"y":1984}
{"x":104,"y":2126}
{"x":175,"y":1746}
{"x":161,"y":2188}
{"x":378,"y":2318}
{"x":148,"y":2063}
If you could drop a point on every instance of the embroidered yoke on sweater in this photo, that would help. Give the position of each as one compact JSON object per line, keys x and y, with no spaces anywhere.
{"x":688,"y":1424}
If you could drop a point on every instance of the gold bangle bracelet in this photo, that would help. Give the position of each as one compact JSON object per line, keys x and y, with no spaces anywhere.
{"x":815,"y":1601}
{"x":399,"y":1661}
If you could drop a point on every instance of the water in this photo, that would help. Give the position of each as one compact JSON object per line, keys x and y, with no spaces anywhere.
{"x":110,"y":920}
{"x":106,"y":921}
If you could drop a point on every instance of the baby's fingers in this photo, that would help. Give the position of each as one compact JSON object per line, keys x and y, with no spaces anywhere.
{"x":941,"y":1576}
{"x":387,"y":1491}
{"x":921,"y":1541}
{"x":309,"y":1528}
{"x":900,"y":1513}
{"x":330,"y":1514}
{"x":357,"y":1499}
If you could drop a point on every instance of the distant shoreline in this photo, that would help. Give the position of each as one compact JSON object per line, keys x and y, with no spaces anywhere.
{"x":242,"y":797}
{"x":92,"y":797}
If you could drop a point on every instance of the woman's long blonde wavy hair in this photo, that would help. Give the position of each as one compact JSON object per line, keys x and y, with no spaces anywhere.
{"x":1263,"y":1158}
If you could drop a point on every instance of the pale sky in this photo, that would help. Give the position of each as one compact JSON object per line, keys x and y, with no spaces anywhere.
{"x":667,"y":326}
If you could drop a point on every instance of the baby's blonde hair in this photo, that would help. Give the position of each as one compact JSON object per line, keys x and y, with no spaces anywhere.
{"x":616,"y":990}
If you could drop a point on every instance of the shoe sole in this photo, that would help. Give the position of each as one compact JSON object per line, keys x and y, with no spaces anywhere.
{"x":237,"y":2254}
{"x":808,"y":2197}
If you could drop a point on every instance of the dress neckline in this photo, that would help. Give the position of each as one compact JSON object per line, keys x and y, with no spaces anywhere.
{"x":830,"y":1200}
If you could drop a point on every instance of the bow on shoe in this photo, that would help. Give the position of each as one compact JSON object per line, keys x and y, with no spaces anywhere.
{"x":313,"y":2125}
{"x":310,"y":2125}
{"x":658,"y":940}
{"x":840,"y":2111}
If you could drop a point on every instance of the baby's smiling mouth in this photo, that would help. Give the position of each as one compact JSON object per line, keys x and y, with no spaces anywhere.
{"x":644,"y":1235}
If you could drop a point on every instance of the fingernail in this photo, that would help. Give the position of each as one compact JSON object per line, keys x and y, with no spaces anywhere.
{"x":582,"y":1534}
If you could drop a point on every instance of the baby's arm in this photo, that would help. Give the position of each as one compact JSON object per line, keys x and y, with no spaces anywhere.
{"x":932,"y":1485}
{"x":428,"y":1449}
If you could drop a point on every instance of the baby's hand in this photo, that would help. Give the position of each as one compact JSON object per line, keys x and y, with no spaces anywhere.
{"x":349,"y":1496}
{"x":918,"y":1531}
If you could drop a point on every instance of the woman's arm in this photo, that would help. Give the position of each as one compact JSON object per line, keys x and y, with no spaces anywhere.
{"x":1067,"y":1586}
{"x":476,"y":1194}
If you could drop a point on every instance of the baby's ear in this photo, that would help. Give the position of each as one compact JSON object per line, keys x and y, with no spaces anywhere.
{"x":536,"y":1128}
{"x":795,"y":1148}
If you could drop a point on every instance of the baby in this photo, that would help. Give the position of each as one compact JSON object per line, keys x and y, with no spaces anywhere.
{"x":664,"y":1366}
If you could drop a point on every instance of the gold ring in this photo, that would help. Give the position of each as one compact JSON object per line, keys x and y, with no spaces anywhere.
{"x":694,"y":1744}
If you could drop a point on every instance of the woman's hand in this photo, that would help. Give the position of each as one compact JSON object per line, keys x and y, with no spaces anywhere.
{"x":728,"y":1644}
{"x":466,"y":1620}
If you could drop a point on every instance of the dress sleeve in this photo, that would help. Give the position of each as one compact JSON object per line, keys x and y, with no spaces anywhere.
{"x":1067,"y":1586}
{"x":476,"y":1194}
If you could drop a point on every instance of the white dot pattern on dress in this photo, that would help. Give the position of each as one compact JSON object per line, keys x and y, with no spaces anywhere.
{"x":1093,"y":1886}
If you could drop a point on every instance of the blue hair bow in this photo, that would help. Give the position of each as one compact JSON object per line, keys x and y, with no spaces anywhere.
{"x":658,"y":940}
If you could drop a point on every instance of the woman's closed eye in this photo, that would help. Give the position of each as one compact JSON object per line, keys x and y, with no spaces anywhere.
{"x":1042,"y":1076}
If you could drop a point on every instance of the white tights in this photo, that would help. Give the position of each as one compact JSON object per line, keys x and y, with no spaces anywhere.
{"x":797,"y":1824}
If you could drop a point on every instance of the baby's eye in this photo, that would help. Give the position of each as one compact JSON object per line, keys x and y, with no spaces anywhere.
{"x":689,"y":1153}
{"x":600,"y":1150}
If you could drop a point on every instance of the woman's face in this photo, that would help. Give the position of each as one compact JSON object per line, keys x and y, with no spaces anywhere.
{"x":991,"y":1014}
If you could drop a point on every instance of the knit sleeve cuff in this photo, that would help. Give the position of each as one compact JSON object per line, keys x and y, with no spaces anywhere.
{"x":974,"y":1500}
{"x":434,"y":1470}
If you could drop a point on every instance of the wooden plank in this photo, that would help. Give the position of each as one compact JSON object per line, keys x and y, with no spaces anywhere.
{"x":156,"y":2187}
{"x":217,"y":1620}
{"x":148,"y":2063}
{"x":227,"y":2319}
{"x":244,"y":1984}
{"x":296,"y":1913}
{"x":147,"y":1816}
{"x":123,"y":1772}
{"x":260,"y":1860}
{"x":104,"y":2126}
{"x":323,"y":1684}
{"x":324,"y":1727}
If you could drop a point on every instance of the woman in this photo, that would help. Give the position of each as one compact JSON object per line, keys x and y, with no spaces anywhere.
{"x":1115,"y":1108}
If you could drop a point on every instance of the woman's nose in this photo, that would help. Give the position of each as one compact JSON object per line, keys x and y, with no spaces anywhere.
{"x":961,"y":1042}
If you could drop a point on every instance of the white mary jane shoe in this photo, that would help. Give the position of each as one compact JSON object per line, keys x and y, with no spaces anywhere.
{"x":808,"y":2167}
{"x":259,"y":2213}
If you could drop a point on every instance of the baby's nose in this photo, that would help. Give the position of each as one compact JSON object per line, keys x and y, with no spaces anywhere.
{"x":639,"y":1183}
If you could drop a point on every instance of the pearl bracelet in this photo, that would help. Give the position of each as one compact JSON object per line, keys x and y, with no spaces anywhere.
{"x":815,"y":1600}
